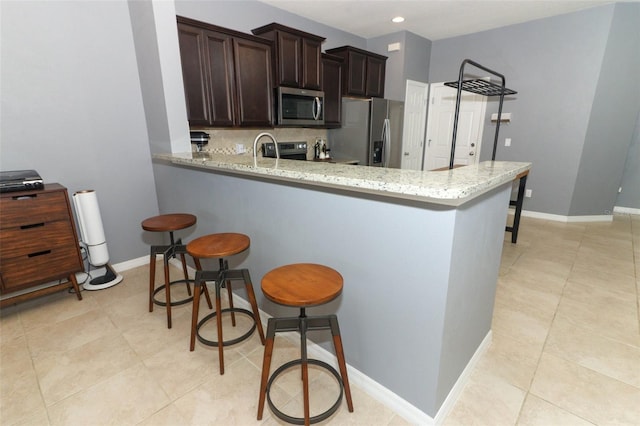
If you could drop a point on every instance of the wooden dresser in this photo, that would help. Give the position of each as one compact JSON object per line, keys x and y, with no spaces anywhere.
{"x":38,"y":244}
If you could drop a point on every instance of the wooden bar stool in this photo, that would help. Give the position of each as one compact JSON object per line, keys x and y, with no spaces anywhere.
{"x":303,"y":285}
{"x":168,"y":223}
{"x":220,"y":246}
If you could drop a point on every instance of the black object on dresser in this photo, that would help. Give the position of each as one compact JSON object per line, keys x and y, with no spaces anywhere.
{"x":20,"y":180}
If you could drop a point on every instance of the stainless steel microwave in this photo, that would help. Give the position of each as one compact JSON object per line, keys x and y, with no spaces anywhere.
{"x":300,"y":107}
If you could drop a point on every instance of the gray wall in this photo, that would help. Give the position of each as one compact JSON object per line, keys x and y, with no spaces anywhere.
{"x":630,"y":195}
{"x":555,"y":64}
{"x":613,"y":117}
{"x":246,"y":15}
{"x":417,"y":62}
{"x":150,"y":74}
{"x":71,"y":108}
{"x":410,"y":62}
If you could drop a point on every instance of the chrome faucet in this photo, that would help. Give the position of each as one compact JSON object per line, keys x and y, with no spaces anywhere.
{"x":255,"y":144}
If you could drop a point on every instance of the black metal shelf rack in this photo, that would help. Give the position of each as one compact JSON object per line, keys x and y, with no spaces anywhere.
{"x":480,"y":87}
{"x":488,"y":88}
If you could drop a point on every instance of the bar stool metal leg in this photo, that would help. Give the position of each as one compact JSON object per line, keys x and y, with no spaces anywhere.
{"x":200,"y":287}
{"x":266,"y":364}
{"x":337,"y":344}
{"x":303,"y":324}
{"x":224,"y":277}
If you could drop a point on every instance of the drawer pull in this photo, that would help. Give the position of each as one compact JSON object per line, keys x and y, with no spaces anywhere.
{"x":39,"y":253}
{"x":33,"y":225}
{"x":25,"y":197}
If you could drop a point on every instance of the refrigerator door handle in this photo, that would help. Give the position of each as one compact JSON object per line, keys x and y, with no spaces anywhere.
{"x":386,"y":141}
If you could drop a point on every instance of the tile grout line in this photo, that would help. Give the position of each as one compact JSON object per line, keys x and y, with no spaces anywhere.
{"x":535,"y":371}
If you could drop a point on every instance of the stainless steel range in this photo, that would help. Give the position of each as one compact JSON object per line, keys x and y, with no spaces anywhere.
{"x":288,"y":150}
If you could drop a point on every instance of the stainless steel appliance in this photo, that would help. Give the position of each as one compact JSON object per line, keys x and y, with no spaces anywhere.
{"x":300,"y":107}
{"x":371,"y":132}
{"x":199,"y":138}
{"x":287,"y":150}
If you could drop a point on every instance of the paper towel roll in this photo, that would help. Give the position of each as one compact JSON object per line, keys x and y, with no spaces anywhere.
{"x":90,"y":223}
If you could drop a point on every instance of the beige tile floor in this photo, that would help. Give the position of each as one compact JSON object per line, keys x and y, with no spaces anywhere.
{"x":565,"y":349}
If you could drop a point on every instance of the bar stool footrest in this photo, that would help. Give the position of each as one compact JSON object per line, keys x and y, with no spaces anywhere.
{"x":173,"y":302}
{"x":231,"y":341}
{"x":313,"y":419}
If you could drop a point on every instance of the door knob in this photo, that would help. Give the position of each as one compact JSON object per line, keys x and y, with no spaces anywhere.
{"x":472,"y":153}
{"x":406,"y":153}
{"x":472,"y":144}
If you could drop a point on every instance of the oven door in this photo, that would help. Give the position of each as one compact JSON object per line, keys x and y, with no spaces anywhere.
{"x":299,"y":107}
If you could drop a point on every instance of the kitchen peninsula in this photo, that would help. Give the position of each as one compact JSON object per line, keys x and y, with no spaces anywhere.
{"x":419,"y":253}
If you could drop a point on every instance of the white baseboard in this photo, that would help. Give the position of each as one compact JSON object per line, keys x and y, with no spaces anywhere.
{"x":626,"y":210}
{"x":458,"y":387}
{"x":577,"y":219}
{"x":400,"y":406}
{"x":133,"y":263}
{"x":565,"y":219}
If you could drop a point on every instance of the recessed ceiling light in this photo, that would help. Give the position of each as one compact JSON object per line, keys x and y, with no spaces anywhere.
{"x":398,"y":19}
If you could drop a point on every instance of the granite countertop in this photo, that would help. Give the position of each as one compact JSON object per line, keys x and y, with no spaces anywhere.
{"x":449,"y":187}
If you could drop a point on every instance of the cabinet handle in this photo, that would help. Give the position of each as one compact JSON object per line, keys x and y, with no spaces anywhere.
{"x":33,"y":225}
{"x":39,"y":253}
{"x":24,"y":197}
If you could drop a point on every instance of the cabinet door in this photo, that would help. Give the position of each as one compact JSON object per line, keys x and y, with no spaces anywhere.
{"x":375,"y":77}
{"x":288,"y":60}
{"x":357,"y":74}
{"x":196,"y":91}
{"x":219,"y":49}
{"x":332,"y":87}
{"x":253,"y":83}
{"x":311,"y":64}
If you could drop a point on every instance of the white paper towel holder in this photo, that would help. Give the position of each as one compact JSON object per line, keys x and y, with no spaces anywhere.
{"x":92,"y":235}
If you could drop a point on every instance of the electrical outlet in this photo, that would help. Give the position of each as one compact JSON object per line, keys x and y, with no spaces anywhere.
{"x":528,"y":192}
{"x":507,"y":142}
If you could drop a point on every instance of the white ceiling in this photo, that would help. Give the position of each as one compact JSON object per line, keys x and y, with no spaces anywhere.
{"x":431,"y":19}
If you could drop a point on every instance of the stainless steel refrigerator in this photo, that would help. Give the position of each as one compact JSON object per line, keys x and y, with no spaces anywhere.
{"x":371,"y":132}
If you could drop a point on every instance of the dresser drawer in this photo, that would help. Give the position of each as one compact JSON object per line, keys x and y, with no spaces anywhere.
{"x":38,"y":268}
{"x":33,"y":208}
{"x":29,"y":239}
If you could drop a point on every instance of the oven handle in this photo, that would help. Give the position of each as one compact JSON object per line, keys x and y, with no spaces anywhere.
{"x":317,"y":108}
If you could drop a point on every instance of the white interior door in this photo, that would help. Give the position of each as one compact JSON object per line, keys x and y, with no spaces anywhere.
{"x":442,"y":105}
{"x":415,"y":120}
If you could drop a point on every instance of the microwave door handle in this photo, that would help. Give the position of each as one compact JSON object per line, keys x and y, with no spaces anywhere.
{"x":317,"y":108}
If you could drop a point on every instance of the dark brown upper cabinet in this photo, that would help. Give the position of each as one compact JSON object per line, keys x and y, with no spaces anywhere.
{"x":332,"y":88}
{"x":296,"y":56}
{"x":363,"y":74}
{"x":227,"y":76}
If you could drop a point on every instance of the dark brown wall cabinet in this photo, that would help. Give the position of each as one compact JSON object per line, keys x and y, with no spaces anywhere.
{"x":227,"y":76}
{"x":332,"y":87}
{"x":38,"y":243}
{"x":363,"y":75}
{"x":296,"y":56}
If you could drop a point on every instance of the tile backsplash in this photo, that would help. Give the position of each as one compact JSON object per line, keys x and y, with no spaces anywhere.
{"x":224,"y":141}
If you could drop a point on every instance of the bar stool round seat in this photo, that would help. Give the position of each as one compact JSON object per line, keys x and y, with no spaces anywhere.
{"x":220,"y":246}
{"x":168,"y":223}
{"x":303,"y":285}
